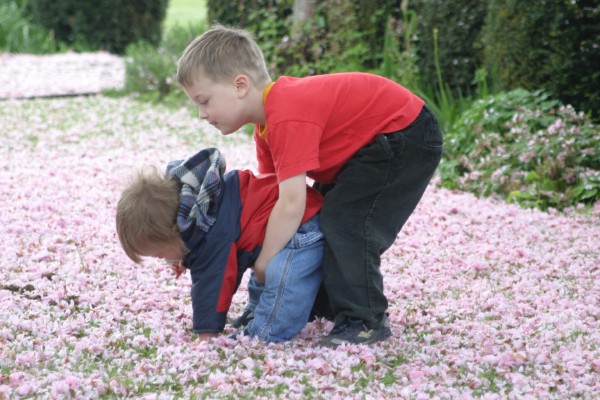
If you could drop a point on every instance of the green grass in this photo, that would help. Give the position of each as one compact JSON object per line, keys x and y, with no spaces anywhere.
{"x":183,"y":12}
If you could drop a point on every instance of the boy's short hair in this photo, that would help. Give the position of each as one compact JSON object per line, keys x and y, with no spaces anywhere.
{"x":147,"y":213}
{"x":222,"y":53}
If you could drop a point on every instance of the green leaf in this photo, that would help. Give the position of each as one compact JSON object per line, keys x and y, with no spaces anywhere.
{"x":550,"y":185}
{"x":588,"y":194}
{"x":532,"y":177}
{"x":513,"y":196}
{"x":578,"y":190}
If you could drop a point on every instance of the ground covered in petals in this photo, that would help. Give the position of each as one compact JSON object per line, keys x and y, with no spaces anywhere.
{"x":487,"y":300}
{"x":27,"y":75}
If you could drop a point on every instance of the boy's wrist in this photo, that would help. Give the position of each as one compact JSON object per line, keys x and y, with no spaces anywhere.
{"x":259,"y":271}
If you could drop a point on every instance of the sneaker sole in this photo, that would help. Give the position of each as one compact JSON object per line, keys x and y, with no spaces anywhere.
{"x":334,"y":342}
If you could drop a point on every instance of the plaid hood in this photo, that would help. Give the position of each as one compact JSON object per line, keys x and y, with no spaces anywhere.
{"x":201,"y":178}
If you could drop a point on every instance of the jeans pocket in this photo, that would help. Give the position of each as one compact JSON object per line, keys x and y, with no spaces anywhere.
{"x":376,"y":151}
{"x":307,"y":234}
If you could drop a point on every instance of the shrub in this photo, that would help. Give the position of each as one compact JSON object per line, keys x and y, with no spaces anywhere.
{"x":248,"y":14}
{"x":527,"y":148}
{"x":323,"y":45}
{"x":399,"y":55}
{"x":340,"y":36}
{"x":222,"y":12}
{"x":553,"y":45}
{"x":20,"y":35}
{"x":372,"y":23}
{"x":459,"y":24}
{"x":101,"y":25}
{"x":150,"y":70}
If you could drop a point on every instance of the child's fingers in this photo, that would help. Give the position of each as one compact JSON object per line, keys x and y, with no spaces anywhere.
{"x":178,"y":270}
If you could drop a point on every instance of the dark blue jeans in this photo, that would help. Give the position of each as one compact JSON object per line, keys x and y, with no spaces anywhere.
{"x":372,"y":198}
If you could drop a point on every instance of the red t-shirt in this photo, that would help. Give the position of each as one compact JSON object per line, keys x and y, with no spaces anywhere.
{"x":316,"y":124}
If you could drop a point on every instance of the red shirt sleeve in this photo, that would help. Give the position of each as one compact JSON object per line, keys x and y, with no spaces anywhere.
{"x":294,"y":148}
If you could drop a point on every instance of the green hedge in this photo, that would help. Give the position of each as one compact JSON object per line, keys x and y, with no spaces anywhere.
{"x":103,"y":24}
{"x":342,"y":35}
{"x":459,"y":24}
{"x":247,"y":14}
{"x":554,"y":45}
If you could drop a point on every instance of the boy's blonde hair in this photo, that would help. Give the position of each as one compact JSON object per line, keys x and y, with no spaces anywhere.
{"x":221,"y":53}
{"x":147,"y":213}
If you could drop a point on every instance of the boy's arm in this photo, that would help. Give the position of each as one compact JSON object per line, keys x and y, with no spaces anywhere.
{"x":283,"y":222}
{"x":214,"y":274}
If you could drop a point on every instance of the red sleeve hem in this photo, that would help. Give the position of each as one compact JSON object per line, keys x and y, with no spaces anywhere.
{"x":287,"y":173}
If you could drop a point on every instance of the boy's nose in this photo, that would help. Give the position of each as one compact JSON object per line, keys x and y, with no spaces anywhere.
{"x":202,"y":114}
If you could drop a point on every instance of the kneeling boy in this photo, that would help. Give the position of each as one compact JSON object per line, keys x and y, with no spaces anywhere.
{"x":213,"y":223}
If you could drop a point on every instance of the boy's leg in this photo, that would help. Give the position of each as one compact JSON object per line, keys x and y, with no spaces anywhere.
{"x":322,"y":308}
{"x":373,"y":197}
{"x":292,"y":279}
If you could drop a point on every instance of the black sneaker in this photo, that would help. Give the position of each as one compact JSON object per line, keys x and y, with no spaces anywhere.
{"x":354,"y":331}
{"x":243,"y":319}
{"x":238,"y":333}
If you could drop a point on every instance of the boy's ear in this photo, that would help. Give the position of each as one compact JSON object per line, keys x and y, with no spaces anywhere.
{"x":242,"y":84}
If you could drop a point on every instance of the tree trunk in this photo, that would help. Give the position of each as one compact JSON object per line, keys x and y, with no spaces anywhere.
{"x":303,"y":10}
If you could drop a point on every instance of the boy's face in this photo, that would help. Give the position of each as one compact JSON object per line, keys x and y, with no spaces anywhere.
{"x":222,"y":104}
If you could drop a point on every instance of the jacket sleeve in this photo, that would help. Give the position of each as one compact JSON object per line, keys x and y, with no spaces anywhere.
{"x":214,"y":275}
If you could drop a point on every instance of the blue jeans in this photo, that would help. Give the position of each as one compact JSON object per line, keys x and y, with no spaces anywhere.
{"x":282,"y":306}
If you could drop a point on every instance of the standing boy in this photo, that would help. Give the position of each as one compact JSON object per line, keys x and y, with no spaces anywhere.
{"x":371,"y":146}
{"x":197,"y":217}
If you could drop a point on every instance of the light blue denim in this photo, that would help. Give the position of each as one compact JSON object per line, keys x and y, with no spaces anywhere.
{"x":292,"y":279}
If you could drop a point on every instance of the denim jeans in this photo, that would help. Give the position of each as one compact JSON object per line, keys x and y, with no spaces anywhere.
{"x":374,"y":194}
{"x":292,"y":278}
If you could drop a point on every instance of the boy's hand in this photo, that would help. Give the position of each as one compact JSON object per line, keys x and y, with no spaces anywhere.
{"x":178,"y":270}
{"x":202,"y":337}
{"x":283,"y":222}
{"x":259,"y":273}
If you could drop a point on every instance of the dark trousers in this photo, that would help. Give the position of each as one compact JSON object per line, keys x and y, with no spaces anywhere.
{"x":372,"y":198}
